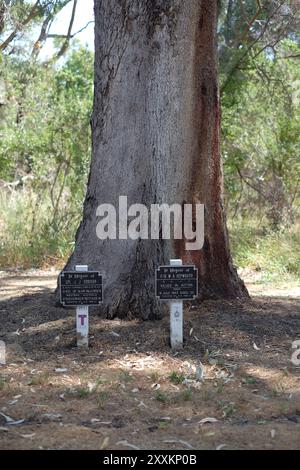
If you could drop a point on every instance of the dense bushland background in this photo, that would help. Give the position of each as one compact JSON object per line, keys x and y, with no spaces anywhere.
{"x":45,"y":141}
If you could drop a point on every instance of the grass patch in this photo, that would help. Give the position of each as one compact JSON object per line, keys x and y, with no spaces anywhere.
{"x":102,"y":398}
{"x":29,"y":236}
{"x":154,"y":376}
{"x":2,"y":382}
{"x":228,"y":409}
{"x":100,"y":381}
{"x":80,"y":392}
{"x":125,"y":376}
{"x":249,"y":381}
{"x":273,"y":253}
{"x":163,"y":424}
{"x":176,"y":378}
{"x":162,"y":397}
{"x":185,"y":395}
{"x":40,"y":379}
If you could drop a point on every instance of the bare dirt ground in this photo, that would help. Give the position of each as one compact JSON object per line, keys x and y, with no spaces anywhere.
{"x":129,"y":390}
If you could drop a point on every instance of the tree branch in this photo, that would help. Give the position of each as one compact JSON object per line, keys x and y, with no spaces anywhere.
{"x":82,"y":29}
{"x":251,"y":185}
{"x":32,"y":14}
{"x":66,"y":36}
{"x":66,"y":43}
{"x":236,"y":66}
{"x":251,"y":22}
{"x":43,"y":36}
{"x":291,"y":56}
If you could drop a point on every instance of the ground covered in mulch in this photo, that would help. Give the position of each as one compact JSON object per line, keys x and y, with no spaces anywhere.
{"x":233,"y":386}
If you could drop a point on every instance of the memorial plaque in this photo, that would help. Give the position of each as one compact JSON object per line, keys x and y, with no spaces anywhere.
{"x":176,"y":282}
{"x":80,"y":288}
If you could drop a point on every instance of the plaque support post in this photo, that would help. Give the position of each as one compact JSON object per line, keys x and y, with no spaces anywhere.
{"x":82,"y":317}
{"x":176,"y":317}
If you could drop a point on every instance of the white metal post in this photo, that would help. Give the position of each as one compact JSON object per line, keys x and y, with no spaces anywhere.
{"x":176,"y":317}
{"x":82,"y":317}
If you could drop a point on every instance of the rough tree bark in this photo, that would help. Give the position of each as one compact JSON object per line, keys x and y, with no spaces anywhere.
{"x":156,"y":135}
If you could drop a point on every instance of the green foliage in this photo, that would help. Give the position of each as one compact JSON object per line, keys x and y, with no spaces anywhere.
{"x":176,"y":378}
{"x":249,"y":29}
{"x":260,"y":89}
{"x":261,"y":143}
{"x":162,"y":397}
{"x":24,"y":25}
{"x":125,"y":376}
{"x":45,"y":139}
{"x":80,"y":392}
{"x":273,"y":254}
{"x":102,"y":397}
{"x":45,"y":149}
{"x":28,"y":237}
{"x":228,"y":409}
{"x":2,"y":382}
{"x":260,"y":85}
{"x":185,"y":395}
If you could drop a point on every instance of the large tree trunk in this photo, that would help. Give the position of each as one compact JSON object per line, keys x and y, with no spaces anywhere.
{"x":156,"y":135}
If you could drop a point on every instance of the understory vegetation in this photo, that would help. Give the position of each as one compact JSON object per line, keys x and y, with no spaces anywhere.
{"x":273,"y":254}
{"x":45,"y":150}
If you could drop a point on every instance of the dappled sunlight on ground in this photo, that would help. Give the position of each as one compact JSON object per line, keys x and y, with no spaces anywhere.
{"x":233,"y":385}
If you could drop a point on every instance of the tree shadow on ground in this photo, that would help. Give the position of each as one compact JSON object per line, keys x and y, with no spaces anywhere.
{"x":259,"y":329}
{"x":249,"y":382}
